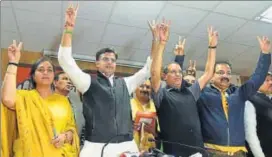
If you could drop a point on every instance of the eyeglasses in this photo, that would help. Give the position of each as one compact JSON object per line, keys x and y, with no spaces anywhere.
{"x":106,"y":59}
{"x":222,"y":73}
{"x":43,"y":70}
{"x":174,"y":72}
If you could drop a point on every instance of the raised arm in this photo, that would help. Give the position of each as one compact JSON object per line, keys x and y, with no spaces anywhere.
{"x":250,"y":87}
{"x":157,"y":60}
{"x":209,"y":68}
{"x":9,"y":84}
{"x":81,"y":80}
{"x":138,"y":78}
{"x":179,"y":52}
{"x":154,"y":27}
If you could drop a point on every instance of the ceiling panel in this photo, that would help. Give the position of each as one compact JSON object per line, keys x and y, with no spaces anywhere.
{"x":205,"y":5}
{"x":36,"y":17}
{"x":136,"y":13}
{"x":37,"y":43}
{"x":92,"y":10}
{"x":244,"y":59}
{"x":183,"y":19}
{"x":225,"y":25}
{"x":195,"y":47}
{"x":8,"y":37}
{"x":48,"y":7}
{"x":39,"y":29}
{"x":248,"y":33}
{"x":123,"y":53}
{"x":5,"y":3}
{"x":8,"y":22}
{"x":85,"y":48}
{"x":146,"y":42}
{"x":168,"y":58}
{"x":88,"y":31}
{"x":244,"y":9}
{"x":122,"y":35}
{"x":139,"y":55}
{"x":227,"y":51}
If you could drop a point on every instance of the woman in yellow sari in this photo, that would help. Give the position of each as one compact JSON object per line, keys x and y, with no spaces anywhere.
{"x":38,"y":122}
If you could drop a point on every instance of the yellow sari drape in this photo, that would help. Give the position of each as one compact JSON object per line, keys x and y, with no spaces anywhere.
{"x":140,"y":138}
{"x":28,"y":130}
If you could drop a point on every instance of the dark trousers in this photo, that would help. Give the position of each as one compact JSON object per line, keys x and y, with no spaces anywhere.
{"x":215,"y":153}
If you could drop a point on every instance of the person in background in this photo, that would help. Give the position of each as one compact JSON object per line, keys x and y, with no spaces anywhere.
{"x":176,"y":104}
{"x":37,"y":122}
{"x":258,"y":121}
{"x":106,"y":98}
{"x":142,"y":102}
{"x":221,"y":106}
{"x":64,"y":86}
{"x":190,"y":75}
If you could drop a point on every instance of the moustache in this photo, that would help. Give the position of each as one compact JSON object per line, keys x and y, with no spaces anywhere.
{"x":146,"y":93}
{"x":70,"y":87}
{"x":224,"y":79}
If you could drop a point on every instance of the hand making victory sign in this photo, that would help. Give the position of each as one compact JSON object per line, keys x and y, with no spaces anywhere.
{"x":265,"y":44}
{"x":14,"y":52}
{"x":179,"y":49}
{"x":70,"y":17}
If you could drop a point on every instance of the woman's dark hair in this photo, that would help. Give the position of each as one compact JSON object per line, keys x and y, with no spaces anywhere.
{"x":34,"y":68}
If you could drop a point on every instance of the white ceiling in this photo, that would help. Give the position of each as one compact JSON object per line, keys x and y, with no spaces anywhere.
{"x":122,"y":25}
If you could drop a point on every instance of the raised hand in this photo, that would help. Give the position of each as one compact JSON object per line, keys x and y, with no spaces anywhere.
{"x":192,"y":65}
{"x":179,"y":49}
{"x":213,"y":37}
{"x":14,"y":52}
{"x":191,"y":70}
{"x":154,"y":27}
{"x":265,"y":44}
{"x":164,"y":30}
{"x":70,"y":17}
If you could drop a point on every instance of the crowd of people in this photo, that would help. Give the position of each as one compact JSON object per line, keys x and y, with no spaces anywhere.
{"x":206,"y":115}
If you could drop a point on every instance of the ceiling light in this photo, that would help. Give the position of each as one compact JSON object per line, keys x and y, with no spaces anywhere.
{"x":266,"y":16}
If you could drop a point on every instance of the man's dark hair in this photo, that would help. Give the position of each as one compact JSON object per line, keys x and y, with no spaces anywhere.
{"x":105,"y":50}
{"x":56,"y":78}
{"x":222,"y":62}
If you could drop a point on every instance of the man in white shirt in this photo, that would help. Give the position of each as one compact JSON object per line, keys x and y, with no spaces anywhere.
{"x":258,"y":121}
{"x":106,"y":98}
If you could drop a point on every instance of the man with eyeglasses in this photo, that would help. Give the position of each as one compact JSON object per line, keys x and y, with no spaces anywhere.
{"x":221,"y":106}
{"x":106,"y":98}
{"x":176,"y":103}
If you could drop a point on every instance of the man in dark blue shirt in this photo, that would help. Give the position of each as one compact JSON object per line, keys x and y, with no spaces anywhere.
{"x":221,"y":106}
